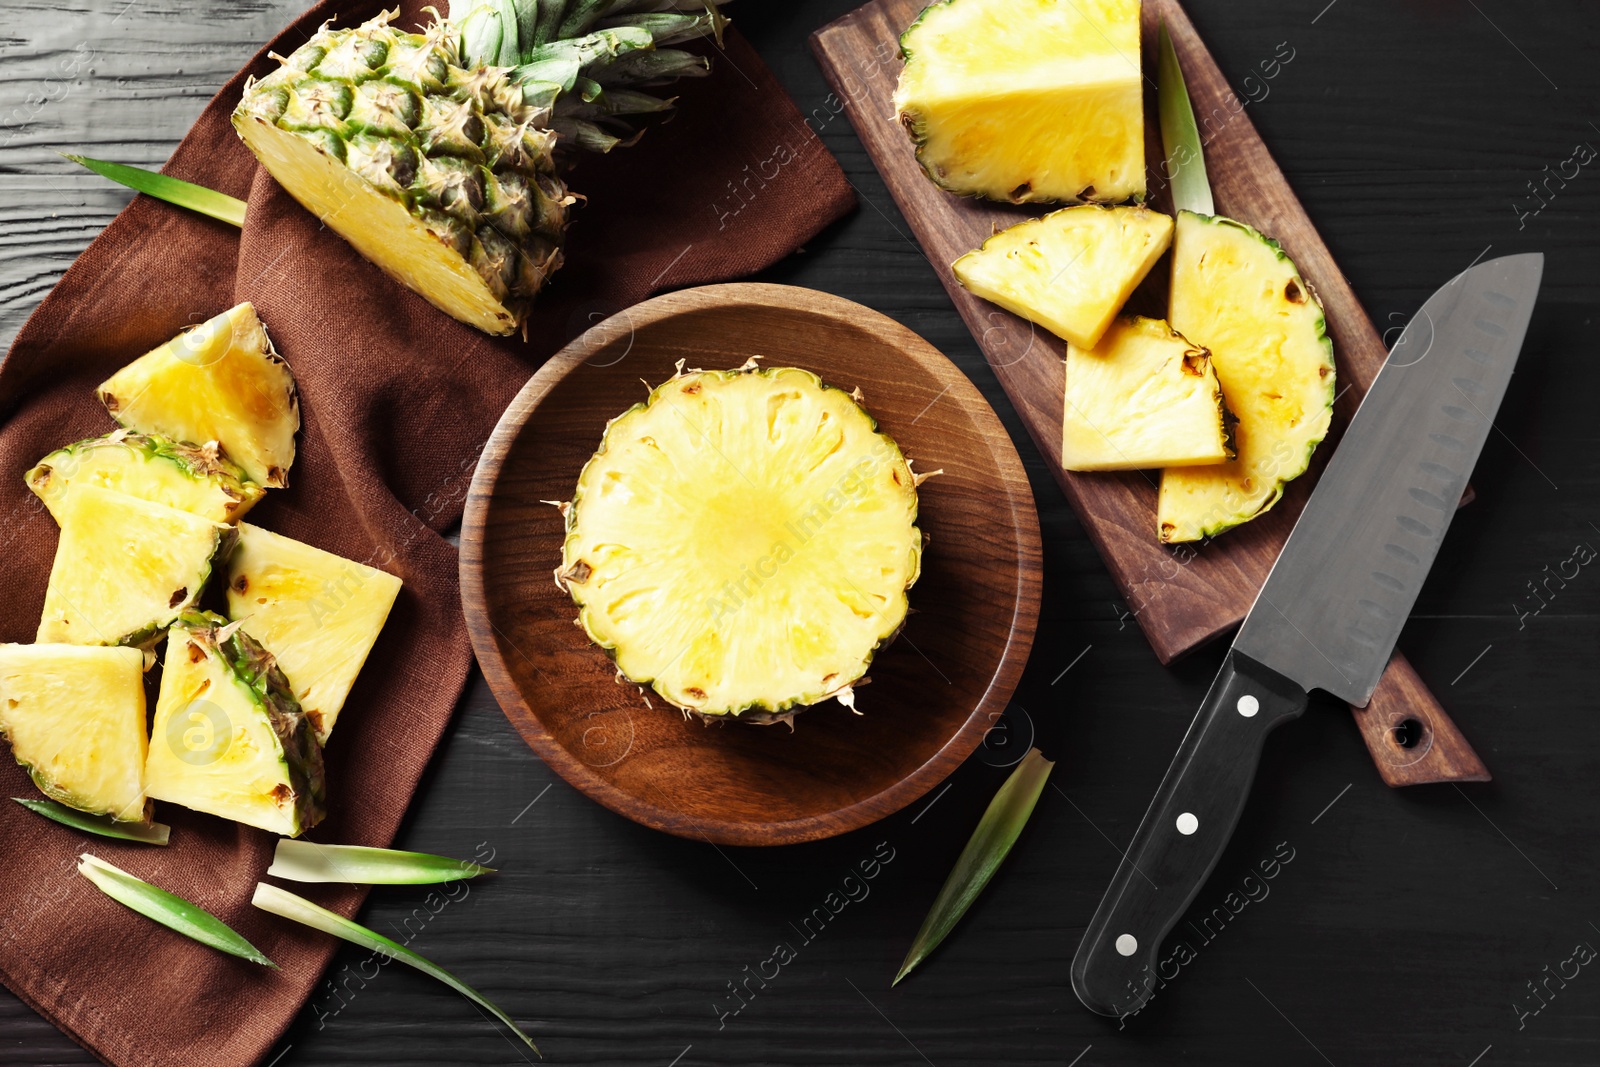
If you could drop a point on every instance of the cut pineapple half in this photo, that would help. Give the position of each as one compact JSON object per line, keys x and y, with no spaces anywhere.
{"x":384,"y":231}
{"x":317,"y":613}
{"x":743,"y":541}
{"x":1145,"y":397}
{"x":1069,"y":271}
{"x":229,"y":738}
{"x":75,"y":719}
{"x":192,"y":478}
{"x":125,"y":568}
{"x":443,"y":177}
{"x":1027,"y":100}
{"x":221,"y":381}
{"x":1237,"y":293}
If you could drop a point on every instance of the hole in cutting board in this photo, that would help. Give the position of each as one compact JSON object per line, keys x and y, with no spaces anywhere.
{"x":1407,"y":733}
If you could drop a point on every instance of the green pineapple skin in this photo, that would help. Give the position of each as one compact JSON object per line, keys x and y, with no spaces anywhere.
{"x":457,"y":148}
{"x":255,"y":670}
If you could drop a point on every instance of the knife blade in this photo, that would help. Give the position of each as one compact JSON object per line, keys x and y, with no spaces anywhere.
{"x":1330,"y":610}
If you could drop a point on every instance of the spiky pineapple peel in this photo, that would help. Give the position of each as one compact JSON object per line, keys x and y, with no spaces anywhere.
{"x":706,"y":552}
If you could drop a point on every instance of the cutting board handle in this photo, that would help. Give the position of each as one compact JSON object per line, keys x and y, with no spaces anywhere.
{"x":1411,"y":738}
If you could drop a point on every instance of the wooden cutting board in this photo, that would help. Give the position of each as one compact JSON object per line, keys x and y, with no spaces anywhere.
{"x":1181,"y":595}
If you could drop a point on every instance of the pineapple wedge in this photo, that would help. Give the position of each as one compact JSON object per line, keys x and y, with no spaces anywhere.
{"x":1237,"y":293}
{"x":221,"y":381}
{"x":190,"y":478}
{"x":1027,"y":100}
{"x":1069,"y":271}
{"x":317,"y":613}
{"x":75,"y":717}
{"x":229,"y":738}
{"x":743,"y":542}
{"x":125,"y":568}
{"x":1145,"y":397}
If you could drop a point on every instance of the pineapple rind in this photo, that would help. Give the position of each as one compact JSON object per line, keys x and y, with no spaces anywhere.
{"x":268,"y":772}
{"x":1283,"y":408}
{"x":220,"y":382}
{"x":125,"y":568}
{"x":1071,"y":270}
{"x":317,"y":613}
{"x":192,"y":478}
{"x":1145,"y":397}
{"x":774,"y":592}
{"x":1074,"y":133}
{"x":75,"y":717}
{"x":441,"y":176}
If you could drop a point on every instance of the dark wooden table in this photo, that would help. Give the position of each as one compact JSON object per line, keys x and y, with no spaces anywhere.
{"x":1406,"y":927}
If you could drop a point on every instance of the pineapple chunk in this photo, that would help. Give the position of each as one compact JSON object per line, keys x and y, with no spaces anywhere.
{"x":1145,"y":397}
{"x":743,"y":542}
{"x":1069,"y":271}
{"x":229,"y":738}
{"x":190,"y":478}
{"x":75,"y":718}
{"x":318,"y":615}
{"x":125,"y":568}
{"x":1027,"y":100}
{"x":222,"y":382}
{"x":1237,"y":293}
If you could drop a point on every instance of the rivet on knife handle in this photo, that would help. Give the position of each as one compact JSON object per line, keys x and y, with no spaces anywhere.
{"x":1182,"y":835}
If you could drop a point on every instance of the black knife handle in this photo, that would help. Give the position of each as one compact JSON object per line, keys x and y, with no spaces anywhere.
{"x":1182,"y":835}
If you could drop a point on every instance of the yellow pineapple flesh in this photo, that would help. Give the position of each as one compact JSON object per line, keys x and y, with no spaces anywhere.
{"x":1027,"y":100}
{"x":743,"y":542}
{"x":1143,"y":398}
{"x":125,"y":568}
{"x":1238,"y":294}
{"x":75,"y":717}
{"x":1069,"y":271}
{"x":221,"y":381}
{"x":317,"y":613}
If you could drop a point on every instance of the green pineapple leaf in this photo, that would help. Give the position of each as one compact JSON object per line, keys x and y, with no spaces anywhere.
{"x":150,"y":834}
{"x":217,"y":205}
{"x":1180,"y":137}
{"x":988,"y":847}
{"x":281,"y":902}
{"x":168,"y":909}
{"x":307,"y":861}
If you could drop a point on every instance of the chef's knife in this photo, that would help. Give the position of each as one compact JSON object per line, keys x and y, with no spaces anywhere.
{"x":1328,"y":615}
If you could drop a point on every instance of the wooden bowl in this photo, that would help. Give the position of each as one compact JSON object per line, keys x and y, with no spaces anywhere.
{"x":934,"y":690}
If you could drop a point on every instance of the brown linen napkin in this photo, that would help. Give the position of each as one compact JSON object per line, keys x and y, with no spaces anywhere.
{"x":398,"y":400}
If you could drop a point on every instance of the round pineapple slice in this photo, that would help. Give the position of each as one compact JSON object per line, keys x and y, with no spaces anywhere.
{"x":743,"y":541}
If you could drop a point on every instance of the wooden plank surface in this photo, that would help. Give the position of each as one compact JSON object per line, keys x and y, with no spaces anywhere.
{"x":1408,"y":923}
